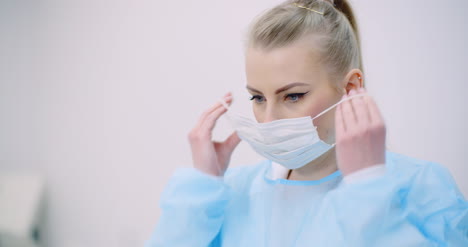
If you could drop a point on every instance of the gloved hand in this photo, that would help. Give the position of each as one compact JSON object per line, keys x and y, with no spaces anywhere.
{"x":360,"y":134}
{"x":209,"y":156}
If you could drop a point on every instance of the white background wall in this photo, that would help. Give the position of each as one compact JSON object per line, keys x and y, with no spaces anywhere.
{"x":99,"y":96}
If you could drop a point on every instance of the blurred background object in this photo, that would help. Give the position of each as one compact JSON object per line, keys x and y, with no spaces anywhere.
{"x":20,"y":204}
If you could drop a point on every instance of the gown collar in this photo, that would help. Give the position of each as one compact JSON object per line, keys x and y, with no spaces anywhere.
{"x":277,"y":174}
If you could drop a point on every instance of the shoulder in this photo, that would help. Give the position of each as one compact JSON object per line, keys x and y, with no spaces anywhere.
{"x":421,"y":175}
{"x":403,"y":164}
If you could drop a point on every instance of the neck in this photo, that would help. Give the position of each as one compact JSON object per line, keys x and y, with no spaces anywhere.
{"x":316,"y":169}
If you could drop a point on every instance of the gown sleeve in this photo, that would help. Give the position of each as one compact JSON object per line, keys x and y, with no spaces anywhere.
{"x":407,"y":206}
{"x":192,"y":210}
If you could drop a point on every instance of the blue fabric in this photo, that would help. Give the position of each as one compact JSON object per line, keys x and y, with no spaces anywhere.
{"x":415,"y":203}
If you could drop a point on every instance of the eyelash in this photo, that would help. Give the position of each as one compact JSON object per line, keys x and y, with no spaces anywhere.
{"x":256,"y":97}
{"x":299,"y":95}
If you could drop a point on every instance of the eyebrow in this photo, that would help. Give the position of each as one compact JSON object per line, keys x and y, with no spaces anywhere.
{"x":282,"y":89}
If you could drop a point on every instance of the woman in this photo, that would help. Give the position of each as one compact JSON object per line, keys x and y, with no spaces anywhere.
{"x":327,"y":179}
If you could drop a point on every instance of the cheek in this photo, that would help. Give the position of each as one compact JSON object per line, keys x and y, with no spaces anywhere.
{"x":257,"y":113}
{"x":326,"y":126}
{"x":316,"y":107}
{"x":325,"y":123}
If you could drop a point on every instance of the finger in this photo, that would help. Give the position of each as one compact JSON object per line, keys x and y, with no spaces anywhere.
{"x":349,"y":117}
{"x":375,"y":115}
{"x":340,"y":127}
{"x":210,"y":120}
{"x":361,"y":110}
{"x":227,"y":98}
{"x":232,"y":141}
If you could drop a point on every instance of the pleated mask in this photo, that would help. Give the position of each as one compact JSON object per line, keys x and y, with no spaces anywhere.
{"x":290,"y":142}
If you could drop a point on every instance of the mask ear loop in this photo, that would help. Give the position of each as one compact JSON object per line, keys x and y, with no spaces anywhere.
{"x":339,"y":102}
{"x":234,"y":116}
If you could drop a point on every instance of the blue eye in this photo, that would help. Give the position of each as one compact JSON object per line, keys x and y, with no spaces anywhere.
{"x":258,"y":98}
{"x":294,"y":97}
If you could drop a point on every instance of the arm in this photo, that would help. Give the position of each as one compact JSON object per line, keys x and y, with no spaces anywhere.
{"x":192,"y":210}
{"x":403,"y":208}
{"x":193,"y":202}
{"x":413,"y":205}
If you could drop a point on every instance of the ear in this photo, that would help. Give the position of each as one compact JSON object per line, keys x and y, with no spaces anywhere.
{"x":353,"y":80}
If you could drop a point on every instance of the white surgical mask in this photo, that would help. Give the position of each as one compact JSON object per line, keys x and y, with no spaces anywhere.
{"x":291,"y":142}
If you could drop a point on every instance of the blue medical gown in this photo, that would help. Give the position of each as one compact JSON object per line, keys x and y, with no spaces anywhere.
{"x":415,"y":203}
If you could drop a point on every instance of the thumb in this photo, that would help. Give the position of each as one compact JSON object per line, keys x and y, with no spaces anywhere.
{"x":231,"y":142}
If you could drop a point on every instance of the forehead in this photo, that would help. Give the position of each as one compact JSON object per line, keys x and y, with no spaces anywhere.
{"x":280,"y":66}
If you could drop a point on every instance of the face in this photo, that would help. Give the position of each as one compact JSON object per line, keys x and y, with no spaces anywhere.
{"x":289,"y":82}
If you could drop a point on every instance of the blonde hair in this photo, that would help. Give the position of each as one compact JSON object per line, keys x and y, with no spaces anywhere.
{"x":334,"y":32}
